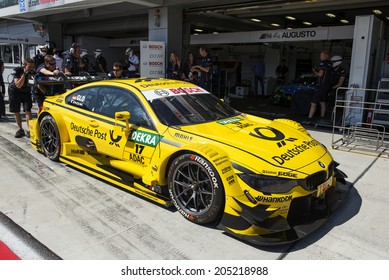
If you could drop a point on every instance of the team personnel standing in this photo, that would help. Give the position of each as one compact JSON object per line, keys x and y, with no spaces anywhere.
{"x":85,"y":65}
{"x":58,"y":59}
{"x":100,"y":62}
{"x":173,"y":70}
{"x":187,"y":73}
{"x":338,"y":79}
{"x":19,"y":92}
{"x":133,"y":63}
{"x":282,"y":71}
{"x":72,"y":61}
{"x":204,"y":70}
{"x":117,"y":71}
{"x":258,"y":69}
{"x":323,"y":74}
{"x":40,"y":55}
{"x":2,"y":92}
{"x":48,"y":68}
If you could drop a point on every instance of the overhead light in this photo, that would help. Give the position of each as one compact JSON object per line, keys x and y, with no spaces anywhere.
{"x":215,"y":32}
{"x":330,"y":15}
{"x":195,"y":34}
{"x":387,"y":18}
{"x":275,"y":24}
{"x":290,"y":17}
{"x":377,"y":12}
{"x":345,"y":21}
{"x":198,"y":30}
{"x":256,"y":20}
{"x":307,"y":23}
{"x":289,"y":28}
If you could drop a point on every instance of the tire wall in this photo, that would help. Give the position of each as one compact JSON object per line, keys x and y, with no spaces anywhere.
{"x":60,"y":123}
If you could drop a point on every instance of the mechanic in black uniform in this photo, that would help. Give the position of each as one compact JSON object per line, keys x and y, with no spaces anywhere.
{"x":100,"y":62}
{"x":2,"y":90}
{"x":47,"y":69}
{"x":323,"y":74}
{"x":338,"y":78}
{"x":204,"y":70}
{"x":117,"y":72}
{"x":19,"y":92}
{"x":72,"y":61}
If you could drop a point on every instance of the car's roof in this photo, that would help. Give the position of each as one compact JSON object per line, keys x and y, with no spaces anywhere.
{"x":158,"y":88}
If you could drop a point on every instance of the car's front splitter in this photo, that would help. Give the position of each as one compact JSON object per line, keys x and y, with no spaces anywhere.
{"x":280,"y":231}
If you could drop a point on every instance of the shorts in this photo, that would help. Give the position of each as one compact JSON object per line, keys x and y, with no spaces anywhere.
{"x":17,"y":99}
{"x":321,"y":95}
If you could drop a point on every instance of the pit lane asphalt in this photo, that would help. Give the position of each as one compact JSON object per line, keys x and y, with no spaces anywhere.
{"x":75,"y":216}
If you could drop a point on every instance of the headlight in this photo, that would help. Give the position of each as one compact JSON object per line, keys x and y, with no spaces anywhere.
{"x":268,"y":184}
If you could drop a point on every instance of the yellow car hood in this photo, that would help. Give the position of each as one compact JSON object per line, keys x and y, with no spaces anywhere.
{"x":281,"y":143}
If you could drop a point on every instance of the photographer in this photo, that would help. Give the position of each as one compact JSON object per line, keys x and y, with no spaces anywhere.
{"x":19,"y":92}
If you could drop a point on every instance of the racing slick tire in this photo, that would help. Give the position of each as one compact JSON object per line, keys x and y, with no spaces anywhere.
{"x":196,"y":189}
{"x":50,"y":138}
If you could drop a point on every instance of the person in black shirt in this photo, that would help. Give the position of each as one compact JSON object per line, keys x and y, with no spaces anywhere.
{"x":72,"y":61}
{"x":19,"y":92}
{"x":117,"y":72}
{"x":187,"y":73}
{"x":204,"y":70}
{"x":2,"y":90}
{"x":282,"y":71}
{"x":40,"y":55}
{"x":47,"y":69}
{"x":173,"y":70}
{"x":100,"y":63}
{"x":323,"y":74}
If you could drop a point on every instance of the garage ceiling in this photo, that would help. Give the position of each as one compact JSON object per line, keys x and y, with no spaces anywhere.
{"x":124,"y":19}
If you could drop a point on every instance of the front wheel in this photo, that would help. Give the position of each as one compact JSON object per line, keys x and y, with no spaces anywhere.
{"x":196,"y":189}
{"x":50,"y":138}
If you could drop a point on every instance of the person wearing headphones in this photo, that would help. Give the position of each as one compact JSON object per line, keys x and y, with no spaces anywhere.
{"x":72,"y":61}
{"x":100,"y":62}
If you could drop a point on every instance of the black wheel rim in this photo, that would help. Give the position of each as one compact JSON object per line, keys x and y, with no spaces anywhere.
{"x":192,"y":187}
{"x":49,"y":138}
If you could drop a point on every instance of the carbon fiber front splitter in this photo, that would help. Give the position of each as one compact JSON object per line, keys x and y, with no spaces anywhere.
{"x":335,"y":197}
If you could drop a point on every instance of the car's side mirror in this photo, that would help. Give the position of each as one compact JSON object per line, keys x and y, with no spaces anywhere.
{"x":124,"y":116}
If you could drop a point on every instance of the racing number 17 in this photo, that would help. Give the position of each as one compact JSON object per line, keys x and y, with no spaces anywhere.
{"x":139,"y":149}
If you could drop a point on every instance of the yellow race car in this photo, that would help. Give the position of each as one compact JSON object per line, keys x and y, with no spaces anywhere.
{"x":265,"y":181}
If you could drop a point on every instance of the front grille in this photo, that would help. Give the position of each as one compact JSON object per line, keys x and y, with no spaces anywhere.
{"x":312,"y":181}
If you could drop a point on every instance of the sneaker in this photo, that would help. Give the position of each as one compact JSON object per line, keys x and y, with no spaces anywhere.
{"x":20,"y":133}
{"x":308,"y":122}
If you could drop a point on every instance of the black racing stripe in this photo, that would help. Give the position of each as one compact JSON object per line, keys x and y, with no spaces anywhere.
{"x":159,"y":196}
{"x":94,"y":170}
{"x":69,"y":108}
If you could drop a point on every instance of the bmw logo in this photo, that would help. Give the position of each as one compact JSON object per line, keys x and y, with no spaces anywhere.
{"x":161,"y":92}
{"x":321,"y":164}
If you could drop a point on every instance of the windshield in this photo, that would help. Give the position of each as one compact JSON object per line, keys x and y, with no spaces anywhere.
{"x":191,"y":109}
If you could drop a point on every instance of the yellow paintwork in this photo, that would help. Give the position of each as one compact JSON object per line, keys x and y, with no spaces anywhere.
{"x":281,"y":148}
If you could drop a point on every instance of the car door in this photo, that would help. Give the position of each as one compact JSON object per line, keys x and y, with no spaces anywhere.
{"x":98,"y":131}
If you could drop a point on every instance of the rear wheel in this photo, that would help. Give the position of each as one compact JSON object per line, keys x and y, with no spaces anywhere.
{"x":50,"y":138}
{"x":196,"y":188}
